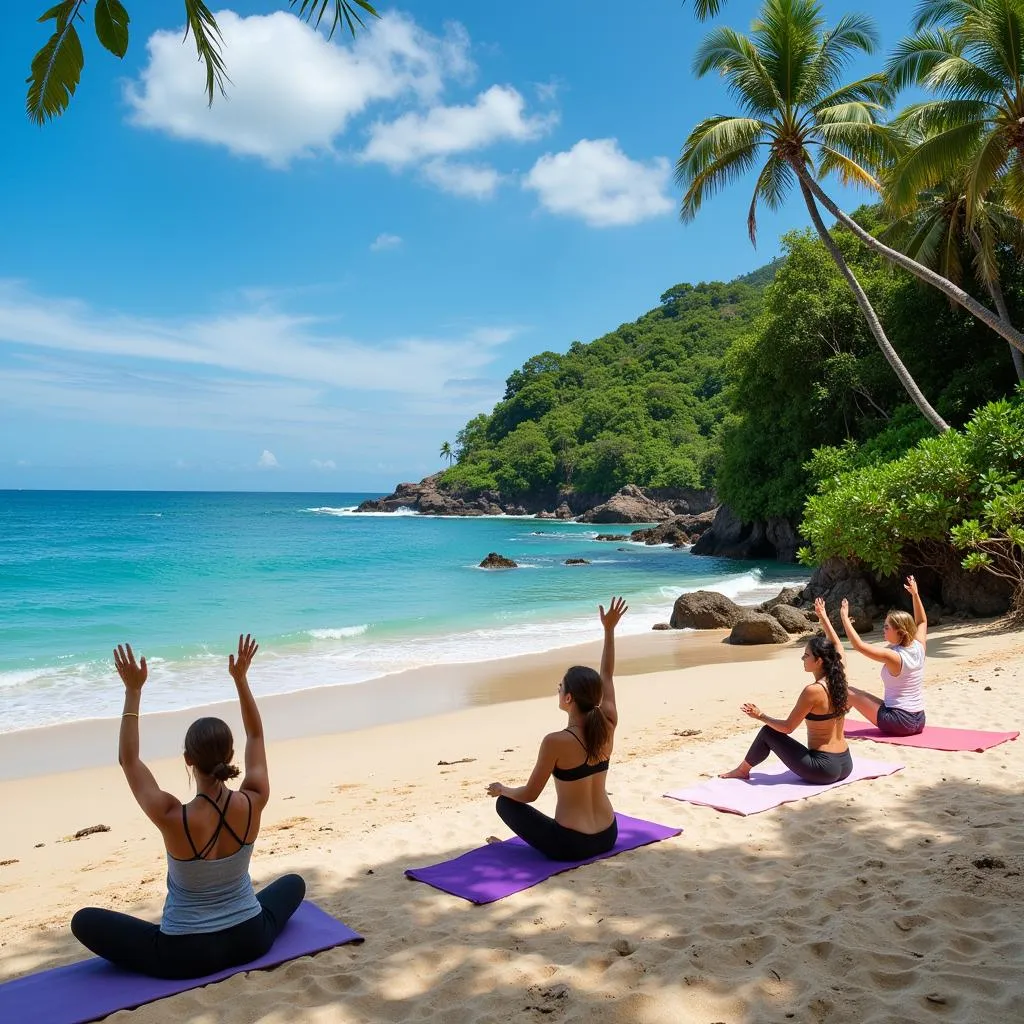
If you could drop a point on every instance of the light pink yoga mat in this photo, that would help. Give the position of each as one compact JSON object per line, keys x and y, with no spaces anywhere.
{"x":769,"y":787}
{"x":934,"y":737}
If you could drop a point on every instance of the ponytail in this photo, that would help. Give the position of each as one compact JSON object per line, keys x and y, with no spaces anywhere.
{"x":835,"y":673}
{"x":586,"y":688}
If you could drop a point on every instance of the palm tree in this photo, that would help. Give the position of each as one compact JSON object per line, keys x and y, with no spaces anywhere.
{"x":786,"y":77}
{"x":447,"y":452}
{"x":970,"y":53}
{"x":935,"y":231}
{"x":57,"y":67}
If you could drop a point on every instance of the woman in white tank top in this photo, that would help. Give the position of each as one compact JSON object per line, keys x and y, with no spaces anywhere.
{"x":900,"y":712}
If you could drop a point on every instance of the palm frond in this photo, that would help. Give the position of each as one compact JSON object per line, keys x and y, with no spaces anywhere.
{"x":705,"y":9}
{"x":936,"y":157}
{"x":715,"y":136}
{"x":941,"y":12}
{"x":200,"y":21}
{"x":344,"y":11}
{"x":931,"y":116}
{"x":726,"y":169}
{"x":848,"y":171}
{"x":873,"y":89}
{"x":735,"y":58}
{"x":773,"y":184}
{"x":986,"y":166}
{"x":57,"y":67}
{"x":914,"y":57}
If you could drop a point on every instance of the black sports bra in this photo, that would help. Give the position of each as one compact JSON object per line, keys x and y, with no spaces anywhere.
{"x":204,"y":853}
{"x":824,"y":718}
{"x":581,"y":771}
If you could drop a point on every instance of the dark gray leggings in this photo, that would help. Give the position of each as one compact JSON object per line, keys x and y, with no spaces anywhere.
{"x":140,"y":946}
{"x":815,"y":766}
{"x":555,"y":841}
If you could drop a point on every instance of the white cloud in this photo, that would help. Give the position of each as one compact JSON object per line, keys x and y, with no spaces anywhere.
{"x":385,"y":241}
{"x":257,"y":343}
{"x":292,"y":91}
{"x":496,"y":115}
{"x":477,"y":181}
{"x":327,"y":466}
{"x":597,"y":183}
{"x":268,"y":460}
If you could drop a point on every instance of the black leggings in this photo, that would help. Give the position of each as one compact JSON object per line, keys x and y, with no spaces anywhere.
{"x":816,"y":766}
{"x":141,"y":947}
{"x":555,"y":841}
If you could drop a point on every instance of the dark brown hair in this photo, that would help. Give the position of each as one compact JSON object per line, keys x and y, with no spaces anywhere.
{"x":210,"y":747}
{"x":585,"y":687}
{"x":835,"y":672}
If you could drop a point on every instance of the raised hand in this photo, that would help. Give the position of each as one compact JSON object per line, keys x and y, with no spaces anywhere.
{"x":132,"y":675}
{"x":819,"y":608}
{"x":844,"y":608}
{"x":238,"y":664}
{"x":911,"y":586}
{"x":616,"y":609}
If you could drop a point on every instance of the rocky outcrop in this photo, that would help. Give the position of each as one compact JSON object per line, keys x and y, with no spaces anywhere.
{"x":612,"y":536}
{"x":758,"y":628}
{"x":975,"y":593}
{"x":730,"y":537}
{"x":629,"y":505}
{"x":577,"y":561}
{"x":787,"y":595}
{"x":678,"y":531}
{"x":704,"y":609}
{"x":563,"y":511}
{"x":496,"y":561}
{"x":661,"y":625}
{"x":791,"y":619}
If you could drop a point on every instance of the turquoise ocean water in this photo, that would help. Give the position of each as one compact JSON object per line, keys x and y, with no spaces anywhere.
{"x":333,"y":596}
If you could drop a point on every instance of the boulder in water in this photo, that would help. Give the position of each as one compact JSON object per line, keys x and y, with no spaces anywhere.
{"x":496,"y":561}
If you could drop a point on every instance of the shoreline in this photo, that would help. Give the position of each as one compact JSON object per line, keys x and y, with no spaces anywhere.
{"x":336,"y":708}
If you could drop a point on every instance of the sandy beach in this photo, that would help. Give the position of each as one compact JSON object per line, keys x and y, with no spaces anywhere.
{"x":872,"y":903}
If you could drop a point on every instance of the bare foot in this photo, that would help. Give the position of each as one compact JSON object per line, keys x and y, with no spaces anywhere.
{"x":743,"y":772}
{"x":491,"y":840}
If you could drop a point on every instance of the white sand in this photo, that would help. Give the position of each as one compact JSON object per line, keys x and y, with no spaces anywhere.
{"x":860,"y":905}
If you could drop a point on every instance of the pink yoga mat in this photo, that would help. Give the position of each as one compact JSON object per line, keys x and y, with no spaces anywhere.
{"x":934,"y":737}
{"x":769,"y":787}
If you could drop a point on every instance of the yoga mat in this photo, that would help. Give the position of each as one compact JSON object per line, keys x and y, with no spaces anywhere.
{"x":770,"y":787}
{"x":93,"y":989}
{"x":499,"y":869}
{"x":934,"y":737}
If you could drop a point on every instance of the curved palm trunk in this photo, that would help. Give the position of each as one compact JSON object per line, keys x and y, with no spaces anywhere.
{"x":995,"y":289}
{"x":1003,"y":328}
{"x":874,"y":324}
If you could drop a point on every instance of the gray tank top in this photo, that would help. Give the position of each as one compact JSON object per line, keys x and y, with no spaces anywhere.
{"x":209,"y":895}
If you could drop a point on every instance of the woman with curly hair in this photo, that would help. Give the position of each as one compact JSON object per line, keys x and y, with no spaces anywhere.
{"x":822,"y":705}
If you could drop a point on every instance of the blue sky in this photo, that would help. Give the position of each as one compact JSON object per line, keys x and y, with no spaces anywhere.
{"x":317,"y":281}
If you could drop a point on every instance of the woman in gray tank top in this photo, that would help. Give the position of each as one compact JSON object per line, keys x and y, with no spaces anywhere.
{"x":212,"y":918}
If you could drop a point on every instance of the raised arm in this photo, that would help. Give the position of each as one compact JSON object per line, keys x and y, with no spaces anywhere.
{"x":875,"y":652}
{"x":157,"y":805}
{"x":256,"y":781}
{"x":609,"y":620}
{"x":920,"y":616}
{"x":826,"y":625}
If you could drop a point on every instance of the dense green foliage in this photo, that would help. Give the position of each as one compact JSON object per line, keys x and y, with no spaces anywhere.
{"x":966,"y":486}
{"x":809,"y":375}
{"x":640,"y":405}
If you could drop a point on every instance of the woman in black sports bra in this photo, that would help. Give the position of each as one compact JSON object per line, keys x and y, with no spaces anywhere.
{"x":212,"y":918}
{"x":584,"y":824}
{"x":823,"y":705}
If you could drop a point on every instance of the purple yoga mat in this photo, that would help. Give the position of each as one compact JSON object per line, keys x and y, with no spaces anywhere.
{"x":93,"y":989}
{"x":770,"y":787}
{"x":499,"y":869}
{"x":933,"y":737}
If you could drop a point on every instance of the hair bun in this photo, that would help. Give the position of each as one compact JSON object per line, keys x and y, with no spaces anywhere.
{"x":223,"y":771}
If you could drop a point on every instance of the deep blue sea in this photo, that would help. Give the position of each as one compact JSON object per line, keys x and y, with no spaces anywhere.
{"x":333,"y":596}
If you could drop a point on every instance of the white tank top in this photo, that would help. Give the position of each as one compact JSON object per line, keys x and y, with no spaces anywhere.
{"x":906,"y":691}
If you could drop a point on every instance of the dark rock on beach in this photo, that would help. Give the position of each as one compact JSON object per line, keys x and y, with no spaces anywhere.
{"x":496,"y":561}
{"x":758,"y":628}
{"x":661,"y":625}
{"x":730,"y":537}
{"x":705,"y":609}
{"x":677,"y":531}
{"x":791,"y":619}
